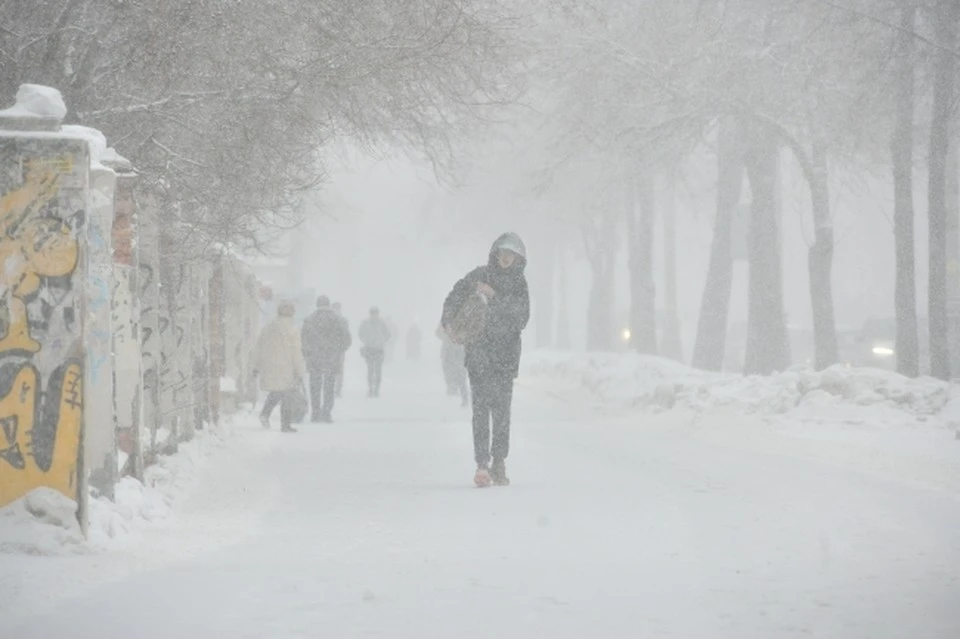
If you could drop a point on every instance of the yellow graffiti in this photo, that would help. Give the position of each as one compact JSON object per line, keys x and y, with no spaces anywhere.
{"x":31,"y":247}
{"x":63,"y":164}
{"x":40,"y":436}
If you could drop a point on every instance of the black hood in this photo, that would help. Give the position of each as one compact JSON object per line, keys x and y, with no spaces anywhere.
{"x":324,"y":310}
{"x":510,"y":242}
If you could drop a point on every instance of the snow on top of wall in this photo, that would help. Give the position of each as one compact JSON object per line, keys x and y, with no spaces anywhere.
{"x":115,"y":161}
{"x":95,"y":139}
{"x":39,"y":101}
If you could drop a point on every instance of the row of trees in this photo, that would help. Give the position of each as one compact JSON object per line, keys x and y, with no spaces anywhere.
{"x":226,"y":108}
{"x":632,"y":94}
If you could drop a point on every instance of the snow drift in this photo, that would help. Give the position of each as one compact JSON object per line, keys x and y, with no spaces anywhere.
{"x":838,"y":394}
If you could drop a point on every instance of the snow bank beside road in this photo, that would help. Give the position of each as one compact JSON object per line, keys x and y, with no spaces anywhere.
{"x":836,"y":395}
{"x":44,"y":522}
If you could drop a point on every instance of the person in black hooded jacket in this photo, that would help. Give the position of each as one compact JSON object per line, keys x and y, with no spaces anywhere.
{"x":493,"y":358}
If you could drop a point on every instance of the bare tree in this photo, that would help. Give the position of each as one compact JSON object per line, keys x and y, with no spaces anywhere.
{"x":947,"y":16}
{"x":600,"y":240}
{"x":709,"y":349}
{"x":767,"y":345}
{"x":641,"y":215}
{"x":901,"y":153}
{"x":670,"y":343}
{"x":224,"y":107}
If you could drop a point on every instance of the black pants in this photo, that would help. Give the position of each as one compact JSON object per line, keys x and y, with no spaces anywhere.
{"x":282,"y":398}
{"x":323,"y":387}
{"x":374,"y":358}
{"x":492,"y":398}
{"x":340,"y":377}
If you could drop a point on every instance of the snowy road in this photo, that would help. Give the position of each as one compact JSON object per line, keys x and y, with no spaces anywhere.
{"x":615,"y":526}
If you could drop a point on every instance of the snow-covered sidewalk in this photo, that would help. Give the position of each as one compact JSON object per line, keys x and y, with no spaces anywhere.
{"x":168,"y":518}
{"x":621,"y":522}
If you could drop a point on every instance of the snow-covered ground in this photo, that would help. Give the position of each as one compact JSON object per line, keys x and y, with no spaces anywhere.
{"x":716,"y":517}
{"x":838,"y":395}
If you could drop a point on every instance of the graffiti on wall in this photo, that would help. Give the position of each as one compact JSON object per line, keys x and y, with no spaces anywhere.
{"x":40,"y":442}
{"x":100,"y":448}
{"x":148,"y":285}
{"x":173,"y":324}
{"x":126,"y":370}
{"x":239,"y":319}
{"x":42,"y":210}
{"x":199,"y":339}
{"x":32,"y":247}
{"x":125,"y":320}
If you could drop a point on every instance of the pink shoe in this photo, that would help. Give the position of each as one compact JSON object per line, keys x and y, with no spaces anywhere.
{"x":482,"y":479}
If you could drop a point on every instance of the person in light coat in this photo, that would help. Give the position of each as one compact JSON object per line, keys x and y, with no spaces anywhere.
{"x":375,"y":335}
{"x":279,"y":365}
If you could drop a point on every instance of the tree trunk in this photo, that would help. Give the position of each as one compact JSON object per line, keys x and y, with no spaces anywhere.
{"x":543,"y":294}
{"x":953,"y":247}
{"x":820,"y":263}
{"x":901,"y":153}
{"x":709,"y":349}
{"x":640,"y":221}
{"x":599,"y":316}
{"x":670,"y":345}
{"x":767,"y":347}
{"x":600,"y":237}
{"x":943,"y":93}
{"x":563,"y":312}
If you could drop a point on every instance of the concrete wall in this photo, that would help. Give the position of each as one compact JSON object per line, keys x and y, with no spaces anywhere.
{"x":125,"y":318}
{"x":100,"y":448}
{"x":44,"y":202}
{"x":113,"y":340}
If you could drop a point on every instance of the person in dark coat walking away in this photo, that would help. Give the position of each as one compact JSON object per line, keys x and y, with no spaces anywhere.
{"x":375,"y":336}
{"x":325,"y":339}
{"x":493,"y":356}
{"x":278,"y":365}
{"x":343,"y":356}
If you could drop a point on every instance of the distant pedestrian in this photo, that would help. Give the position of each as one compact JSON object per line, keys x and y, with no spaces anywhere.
{"x":454,"y":371}
{"x":343,"y":357}
{"x":374,"y":335}
{"x":279,"y":366}
{"x":325,"y":340}
{"x":414,"y":340}
{"x":497,"y":296}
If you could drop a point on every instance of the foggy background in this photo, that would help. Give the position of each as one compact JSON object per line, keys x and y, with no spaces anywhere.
{"x":386,"y":232}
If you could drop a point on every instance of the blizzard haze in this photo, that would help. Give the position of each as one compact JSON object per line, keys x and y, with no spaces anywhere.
{"x":706,"y":389}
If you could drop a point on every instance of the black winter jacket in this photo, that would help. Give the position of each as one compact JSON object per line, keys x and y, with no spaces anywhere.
{"x":497,"y":350}
{"x":325,"y":337}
